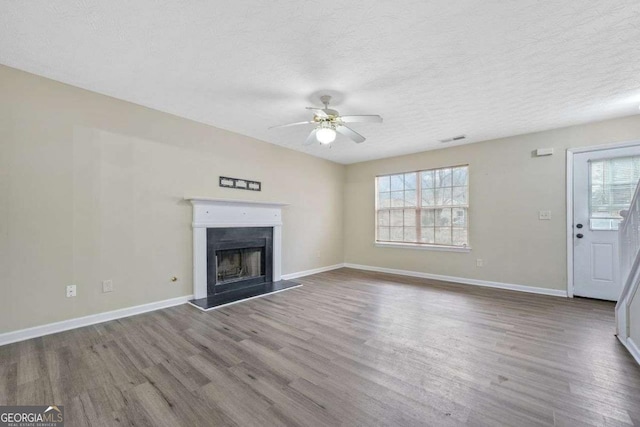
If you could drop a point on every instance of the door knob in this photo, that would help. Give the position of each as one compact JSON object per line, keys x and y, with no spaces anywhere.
{"x":579,"y":226}
{"x":579,"y":235}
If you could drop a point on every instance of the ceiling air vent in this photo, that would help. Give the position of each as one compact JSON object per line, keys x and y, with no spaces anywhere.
{"x":454,"y":138}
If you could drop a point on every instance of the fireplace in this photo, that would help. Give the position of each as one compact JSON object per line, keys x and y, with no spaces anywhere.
{"x":237,"y":251}
{"x":238,"y":257}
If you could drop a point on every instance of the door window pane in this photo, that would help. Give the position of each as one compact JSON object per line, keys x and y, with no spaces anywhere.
{"x":612,"y":185}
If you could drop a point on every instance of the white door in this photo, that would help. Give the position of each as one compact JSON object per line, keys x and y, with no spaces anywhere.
{"x":603,"y":184}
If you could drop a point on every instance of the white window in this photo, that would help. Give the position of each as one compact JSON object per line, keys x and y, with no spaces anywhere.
{"x":612,"y":184}
{"x":428,"y":207}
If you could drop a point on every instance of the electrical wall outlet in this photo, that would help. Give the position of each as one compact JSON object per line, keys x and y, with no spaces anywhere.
{"x":107,"y":286}
{"x":544,"y":215}
{"x":479,"y":262}
{"x":71,"y":291}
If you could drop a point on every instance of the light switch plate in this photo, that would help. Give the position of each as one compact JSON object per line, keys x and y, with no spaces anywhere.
{"x":544,"y":215}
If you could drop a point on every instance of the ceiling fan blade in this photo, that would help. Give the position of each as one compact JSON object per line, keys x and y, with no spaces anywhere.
{"x":291,"y":124}
{"x":350,"y":133}
{"x":319,"y":112}
{"x":311,"y":138}
{"x":367,"y":118}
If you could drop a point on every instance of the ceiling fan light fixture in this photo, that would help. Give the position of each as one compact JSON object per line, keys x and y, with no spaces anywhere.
{"x":326,"y":135}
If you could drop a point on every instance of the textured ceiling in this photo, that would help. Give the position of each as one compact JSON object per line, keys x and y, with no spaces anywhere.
{"x":432,"y":69}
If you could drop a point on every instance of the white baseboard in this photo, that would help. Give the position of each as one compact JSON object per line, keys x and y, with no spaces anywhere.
{"x":312,"y":271}
{"x":462,"y":280}
{"x":65,"y":325}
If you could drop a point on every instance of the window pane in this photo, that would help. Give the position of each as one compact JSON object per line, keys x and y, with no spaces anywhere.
{"x":604,"y":224}
{"x":397,"y":182}
{"x":410,"y":198}
{"x":443,"y":235}
{"x":397,"y":199}
{"x":427,"y":218}
{"x":428,"y":197}
{"x":383,"y":218}
{"x":612,"y":184}
{"x":428,"y":180}
{"x":443,"y":217}
{"x":443,"y":196}
{"x":459,"y":217}
{"x":409,"y":234}
{"x":460,"y":176}
{"x":443,"y":177}
{"x":396,"y":234}
{"x":459,"y":196}
{"x":384,"y":200}
{"x":410,"y":181}
{"x":410,"y":218}
{"x":384,"y":184}
{"x":383,"y":233}
{"x":396,"y":218}
{"x":597,"y":173}
{"x":427,"y":235}
{"x":459,"y":237}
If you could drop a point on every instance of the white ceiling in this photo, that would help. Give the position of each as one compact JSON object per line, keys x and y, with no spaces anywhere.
{"x":432,"y":69}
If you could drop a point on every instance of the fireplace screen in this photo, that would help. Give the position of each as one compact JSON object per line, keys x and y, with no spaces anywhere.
{"x":239,"y":264}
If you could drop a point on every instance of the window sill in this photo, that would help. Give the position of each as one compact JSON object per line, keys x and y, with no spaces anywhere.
{"x":440,"y":248}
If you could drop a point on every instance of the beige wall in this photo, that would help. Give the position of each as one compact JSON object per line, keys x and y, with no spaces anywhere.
{"x":91,"y":188}
{"x":508,"y":186}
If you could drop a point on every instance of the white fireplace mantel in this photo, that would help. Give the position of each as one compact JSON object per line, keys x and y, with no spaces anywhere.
{"x":216,"y":213}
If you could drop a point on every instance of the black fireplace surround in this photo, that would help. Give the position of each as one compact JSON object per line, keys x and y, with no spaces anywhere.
{"x":239,"y":266}
{"x":238,"y":258}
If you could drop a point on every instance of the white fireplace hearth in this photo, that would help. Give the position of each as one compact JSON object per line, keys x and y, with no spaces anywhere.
{"x":228,"y":213}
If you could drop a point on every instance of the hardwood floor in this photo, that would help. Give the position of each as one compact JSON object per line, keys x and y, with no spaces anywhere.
{"x":348,"y":348}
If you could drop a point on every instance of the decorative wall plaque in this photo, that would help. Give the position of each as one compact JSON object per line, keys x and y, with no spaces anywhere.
{"x":242,"y":184}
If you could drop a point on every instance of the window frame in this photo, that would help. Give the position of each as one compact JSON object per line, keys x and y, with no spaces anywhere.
{"x":418,"y":208}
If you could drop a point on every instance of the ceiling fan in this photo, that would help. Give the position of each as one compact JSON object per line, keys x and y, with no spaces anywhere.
{"x":329,"y":122}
